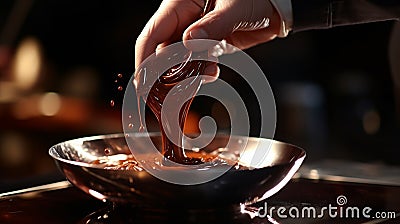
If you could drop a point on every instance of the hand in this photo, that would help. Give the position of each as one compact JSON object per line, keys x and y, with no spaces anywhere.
{"x":242,"y":23}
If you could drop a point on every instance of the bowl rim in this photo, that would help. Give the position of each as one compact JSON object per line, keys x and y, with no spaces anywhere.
{"x":54,"y":155}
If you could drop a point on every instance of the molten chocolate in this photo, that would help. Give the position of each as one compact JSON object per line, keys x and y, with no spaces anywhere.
{"x":163,"y":85}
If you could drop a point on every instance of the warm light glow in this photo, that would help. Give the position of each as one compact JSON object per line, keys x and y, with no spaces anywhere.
{"x":12,"y":150}
{"x":8,"y":92}
{"x":46,"y":104}
{"x":49,"y":104}
{"x":25,"y":108}
{"x":97,"y":194}
{"x":27,"y":63}
{"x":371,"y":122}
{"x":192,"y":123}
{"x":314,"y":174}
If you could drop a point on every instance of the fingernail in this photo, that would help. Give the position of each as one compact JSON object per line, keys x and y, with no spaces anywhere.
{"x":198,"y":34}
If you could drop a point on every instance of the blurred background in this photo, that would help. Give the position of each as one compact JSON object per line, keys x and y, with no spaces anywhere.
{"x":59,"y":76}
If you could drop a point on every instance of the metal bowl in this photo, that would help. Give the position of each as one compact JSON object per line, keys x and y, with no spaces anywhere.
{"x":75,"y":158}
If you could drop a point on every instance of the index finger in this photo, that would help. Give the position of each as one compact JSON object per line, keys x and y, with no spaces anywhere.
{"x":158,"y":29}
{"x":165,"y":26}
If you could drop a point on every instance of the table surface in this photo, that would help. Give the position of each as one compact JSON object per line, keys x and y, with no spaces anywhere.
{"x":63,"y":203}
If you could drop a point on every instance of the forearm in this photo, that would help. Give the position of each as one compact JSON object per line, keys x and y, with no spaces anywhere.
{"x":320,"y":14}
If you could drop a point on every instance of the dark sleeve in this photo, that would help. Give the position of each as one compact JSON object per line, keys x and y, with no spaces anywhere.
{"x":320,"y":14}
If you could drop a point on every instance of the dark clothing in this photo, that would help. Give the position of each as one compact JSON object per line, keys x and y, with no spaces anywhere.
{"x":319,"y":14}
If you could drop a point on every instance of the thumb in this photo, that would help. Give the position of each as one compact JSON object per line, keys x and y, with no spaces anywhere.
{"x":215,"y":25}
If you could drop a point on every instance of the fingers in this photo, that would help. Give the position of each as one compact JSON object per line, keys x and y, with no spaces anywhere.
{"x":158,"y":29}
{"x":247,"y":39}
{"x":233,"y":19}
{"x":211,"y":72}
{"x":215,"y":25}
{"x":166,"y":26}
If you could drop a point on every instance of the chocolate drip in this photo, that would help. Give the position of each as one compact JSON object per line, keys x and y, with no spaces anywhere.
{"x":168,"y":81}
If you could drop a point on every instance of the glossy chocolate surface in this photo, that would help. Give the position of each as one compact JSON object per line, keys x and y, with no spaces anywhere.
{"x":75,"y":159}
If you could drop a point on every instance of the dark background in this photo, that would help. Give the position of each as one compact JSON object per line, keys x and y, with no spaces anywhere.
{"x":328,"y":85}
